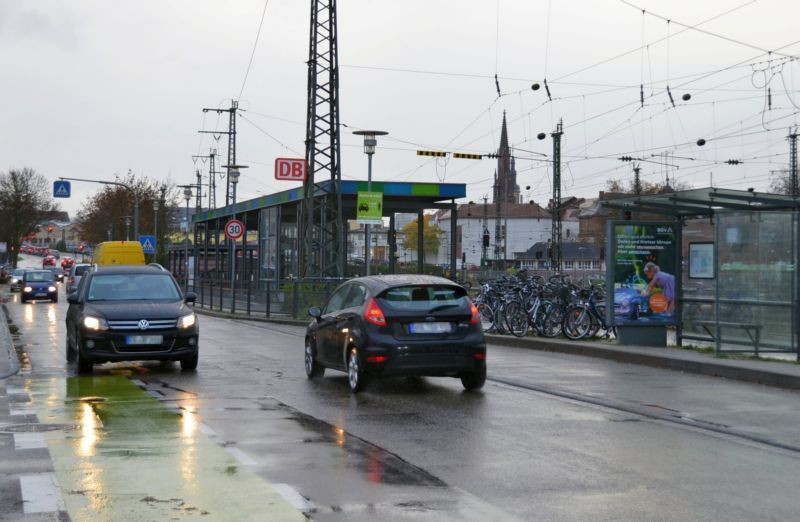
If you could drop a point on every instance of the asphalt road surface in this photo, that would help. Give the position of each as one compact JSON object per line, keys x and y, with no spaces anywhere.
{"x":550,"y":437}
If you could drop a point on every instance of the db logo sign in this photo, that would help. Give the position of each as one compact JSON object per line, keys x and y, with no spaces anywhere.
{"x":292,"y":169}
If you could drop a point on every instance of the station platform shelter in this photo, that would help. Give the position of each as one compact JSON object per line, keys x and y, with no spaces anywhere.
{"x":261,"y":270}
{"x":737,"y":280}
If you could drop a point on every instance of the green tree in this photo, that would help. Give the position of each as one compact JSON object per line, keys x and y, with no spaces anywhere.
{"x":24,"y":200}
{"x":431,"y":234}
{"x":622,"y":187}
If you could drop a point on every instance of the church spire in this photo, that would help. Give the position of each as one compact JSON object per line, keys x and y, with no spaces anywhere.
{"x":503,"y":138}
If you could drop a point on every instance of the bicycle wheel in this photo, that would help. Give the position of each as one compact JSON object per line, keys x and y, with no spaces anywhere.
{"x":602,"y":330}
{"x":577,"y":322}
{"x":553,"y":321}
{"x":487,"y":316}
{"x":516,"y":318}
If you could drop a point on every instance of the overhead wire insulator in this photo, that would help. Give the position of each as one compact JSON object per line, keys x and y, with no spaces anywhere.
{"x":497,"y":84}
{"x":671,"y":99}
{"x":547,"y":90}
{"x":733,"y":162}
{"x":641,"y":93}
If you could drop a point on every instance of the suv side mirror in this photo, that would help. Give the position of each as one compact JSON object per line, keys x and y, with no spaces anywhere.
{"x":315,"y":312}
{"x":72,"y":298}
{"x":190,"y":297}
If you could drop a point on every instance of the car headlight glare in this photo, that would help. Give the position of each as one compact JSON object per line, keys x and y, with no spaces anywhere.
{"x":95,"y":323}
{"x":187,"y":321}
{"x":27,"y":289}
{"x":51,"y":288}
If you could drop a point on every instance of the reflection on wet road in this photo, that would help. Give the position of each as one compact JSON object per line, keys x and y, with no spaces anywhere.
{"x":130,"y":455}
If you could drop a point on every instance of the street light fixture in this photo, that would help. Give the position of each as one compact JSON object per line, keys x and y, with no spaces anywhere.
{"x":370,"y":142}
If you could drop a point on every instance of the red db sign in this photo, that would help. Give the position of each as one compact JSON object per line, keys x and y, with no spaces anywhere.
{"x":292,"y":169}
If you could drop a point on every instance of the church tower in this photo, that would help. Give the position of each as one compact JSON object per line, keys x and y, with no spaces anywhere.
{"x":505,"y":188}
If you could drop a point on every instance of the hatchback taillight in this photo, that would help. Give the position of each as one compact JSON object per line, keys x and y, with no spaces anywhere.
{"x":374,"y":314}
{"x":476,"y":316}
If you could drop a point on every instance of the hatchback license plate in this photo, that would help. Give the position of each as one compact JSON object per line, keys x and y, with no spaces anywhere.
{"x":144,"y":339}
{"x":427,"y":328}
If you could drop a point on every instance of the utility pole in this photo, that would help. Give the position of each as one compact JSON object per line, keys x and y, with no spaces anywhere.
{"x":212,"y":173}
{"x":555,"y":234}
{"x":320,"y":242}
{"x":793,"y":164}
{"x":231,"y":143}
{"x":485,"y":238}
{"x":637,"y":181}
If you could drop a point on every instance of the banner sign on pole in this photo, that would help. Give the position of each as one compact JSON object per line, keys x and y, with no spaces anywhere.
{"x":369,"y":208}
{"x":641,"y":272}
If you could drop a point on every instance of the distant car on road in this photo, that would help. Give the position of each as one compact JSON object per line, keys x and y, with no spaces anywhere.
{"x":39,"y":284}
{"x":129,"y":313}
{"x":397,"y":325}
{"x":57,"y":273}
{"x":15,"y":279}
{"x":74,"y":276}
{"x":48,"y":261}
{"x":67,"y":262}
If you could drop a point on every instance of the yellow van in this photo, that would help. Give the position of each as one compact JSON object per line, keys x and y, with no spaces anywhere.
{"x":118,"y":253}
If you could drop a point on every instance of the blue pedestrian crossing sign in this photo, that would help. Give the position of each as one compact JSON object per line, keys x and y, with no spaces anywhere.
{"x":61,"y":189}
{"x":148,"y":244}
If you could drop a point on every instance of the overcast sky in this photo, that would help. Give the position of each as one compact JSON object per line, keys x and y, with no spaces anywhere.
{"x":91,"y":89}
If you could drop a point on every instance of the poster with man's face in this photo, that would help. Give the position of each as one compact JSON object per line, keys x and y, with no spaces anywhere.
{"x":641,"y":269}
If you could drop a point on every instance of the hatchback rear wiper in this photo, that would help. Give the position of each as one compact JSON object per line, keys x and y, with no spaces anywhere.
{"x":442,"y":307}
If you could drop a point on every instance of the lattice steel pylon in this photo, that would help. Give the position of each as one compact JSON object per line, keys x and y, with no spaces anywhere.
{"x":555,"y":235}
{"x":321,"y":235}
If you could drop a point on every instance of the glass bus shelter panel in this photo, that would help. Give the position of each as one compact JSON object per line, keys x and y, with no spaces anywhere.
{"x":698,"y":287}
{"x":756,"y":282}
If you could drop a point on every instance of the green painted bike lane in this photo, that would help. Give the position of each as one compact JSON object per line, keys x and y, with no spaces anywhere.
{"x":125,"y":456}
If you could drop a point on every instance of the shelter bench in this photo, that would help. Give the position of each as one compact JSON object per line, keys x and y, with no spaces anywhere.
{"x":753,"y":330}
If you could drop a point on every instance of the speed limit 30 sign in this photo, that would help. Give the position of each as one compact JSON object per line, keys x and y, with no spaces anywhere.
{"x":234,"y":229}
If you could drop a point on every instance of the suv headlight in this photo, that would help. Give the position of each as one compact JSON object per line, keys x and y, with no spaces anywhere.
{"x":187,"y":321}
{"x":95,"y":323}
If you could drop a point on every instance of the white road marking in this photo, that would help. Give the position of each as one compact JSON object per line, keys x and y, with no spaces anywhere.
{"x":23,"y":441}
{"x":40,"y":493}
{"x":206,"y":430}
{"x":241,"y":456}
{"x":23,"y":409}
{"x":294,"y":498}
{"x":16,"y":390}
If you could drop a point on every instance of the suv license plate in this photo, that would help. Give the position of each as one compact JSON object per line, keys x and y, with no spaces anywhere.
{"x":427,"y":328}
{"x":144,"y":339}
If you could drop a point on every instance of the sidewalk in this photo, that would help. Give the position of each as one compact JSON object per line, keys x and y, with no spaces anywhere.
{"x":769,"y":373}
{"x":9,"y":363}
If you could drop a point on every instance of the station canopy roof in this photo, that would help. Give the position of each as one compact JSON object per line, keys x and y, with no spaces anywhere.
{"x":419,"y":193}
{"x":704,"y":202}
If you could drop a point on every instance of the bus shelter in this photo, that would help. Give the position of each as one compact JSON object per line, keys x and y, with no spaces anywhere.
{"x":259,"y":272}
{"x":736,"y":279}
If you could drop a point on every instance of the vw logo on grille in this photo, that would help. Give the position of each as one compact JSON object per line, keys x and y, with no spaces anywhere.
{"x":144,"y":324}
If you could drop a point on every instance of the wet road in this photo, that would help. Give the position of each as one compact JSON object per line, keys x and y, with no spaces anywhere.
{"x":550,"y":437}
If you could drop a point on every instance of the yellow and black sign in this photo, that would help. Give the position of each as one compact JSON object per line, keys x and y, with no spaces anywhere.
{"x":438,"y":154}
{"x":466,"y":156}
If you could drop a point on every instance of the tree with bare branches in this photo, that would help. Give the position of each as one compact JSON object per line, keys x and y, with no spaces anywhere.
{"x":24,"y":201}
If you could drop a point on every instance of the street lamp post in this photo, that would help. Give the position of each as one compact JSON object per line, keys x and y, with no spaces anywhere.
{"x":187,"y":195}
{"x":234,"y":176}
{"x":156,"y":204}
{"x":370,"y":142}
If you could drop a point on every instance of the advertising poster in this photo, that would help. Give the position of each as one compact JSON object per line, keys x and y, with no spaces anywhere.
{"x":701,"y":260}
{"x":369,"y":208}
{"x":642,"y":272}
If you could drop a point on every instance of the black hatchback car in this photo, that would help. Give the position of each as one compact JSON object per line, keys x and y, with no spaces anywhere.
{"x":397,"y":325}
{"x":126,"y":313}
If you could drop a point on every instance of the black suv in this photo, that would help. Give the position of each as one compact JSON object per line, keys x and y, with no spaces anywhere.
{"x":125,"y":313}
{"x":397,"y":325}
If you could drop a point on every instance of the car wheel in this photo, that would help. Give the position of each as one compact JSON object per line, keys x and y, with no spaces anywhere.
{"x":313,"y":368}
{"x":355,"y":371}
{"x":55,"y":299}
{"x":190,"y":363}
{"x":84,"y":365}
{"x":23,"y":300}
{"x":474,"y":380}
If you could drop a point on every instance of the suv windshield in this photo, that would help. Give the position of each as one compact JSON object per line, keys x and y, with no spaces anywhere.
{"x":419,"y":298}
{"x":122,"y":287}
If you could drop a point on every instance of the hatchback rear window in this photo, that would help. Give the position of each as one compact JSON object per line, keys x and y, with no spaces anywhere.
{"x":414,"y":298}
{"x":79,"y":270}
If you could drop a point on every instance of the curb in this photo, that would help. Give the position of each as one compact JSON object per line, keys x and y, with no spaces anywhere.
{"x":242,"y":317}
{"x":7,"y":351}
{"x":777,"y":374}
